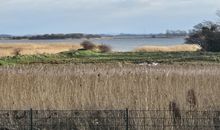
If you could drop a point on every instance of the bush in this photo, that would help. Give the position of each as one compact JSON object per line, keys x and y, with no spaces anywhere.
{"x":87,"y":45}
{"x":104,"y":48}
{"x":207,"y":35}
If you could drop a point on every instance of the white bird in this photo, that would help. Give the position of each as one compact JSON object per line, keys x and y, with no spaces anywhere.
{"x":154,"y":64}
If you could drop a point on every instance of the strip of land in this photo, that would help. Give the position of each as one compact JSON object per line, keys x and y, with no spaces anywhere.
{"x":173,"y":48}
{"x":87,"y":56}
{"x":12,"y":49}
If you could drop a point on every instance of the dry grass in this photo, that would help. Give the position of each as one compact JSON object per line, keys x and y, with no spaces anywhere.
{"x":30,"y":48}
{"x":109,"y":86}
{"x":175,"y":48}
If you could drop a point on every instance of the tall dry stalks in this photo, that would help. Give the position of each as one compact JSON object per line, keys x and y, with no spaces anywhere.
{"x":109,"y":86}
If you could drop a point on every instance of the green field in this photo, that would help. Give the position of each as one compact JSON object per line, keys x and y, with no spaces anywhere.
{"x":84,"y":56}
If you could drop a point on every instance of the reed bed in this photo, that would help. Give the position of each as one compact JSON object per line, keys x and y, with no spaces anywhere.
{"x":31,"y":48}
{"x":174,"y":48}
{"x":109,"y":86}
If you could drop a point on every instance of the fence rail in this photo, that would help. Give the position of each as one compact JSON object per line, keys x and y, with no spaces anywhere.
{"x":109,"y":120}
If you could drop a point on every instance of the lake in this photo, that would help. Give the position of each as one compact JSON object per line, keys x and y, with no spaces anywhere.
{"x":118,"y":44}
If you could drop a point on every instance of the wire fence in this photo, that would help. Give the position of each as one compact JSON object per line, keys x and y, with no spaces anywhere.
{"x":109,"y":120}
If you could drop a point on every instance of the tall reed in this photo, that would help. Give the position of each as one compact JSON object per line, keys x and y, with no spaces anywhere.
{"x":109,"y":86}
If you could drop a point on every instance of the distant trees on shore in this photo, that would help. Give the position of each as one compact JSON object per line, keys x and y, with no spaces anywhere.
{"x":176,"y":33}
{"x":207,"y":35}
{"x":57,"y":36}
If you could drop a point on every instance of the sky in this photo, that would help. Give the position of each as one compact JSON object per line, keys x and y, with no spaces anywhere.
{"x":24,"y":17}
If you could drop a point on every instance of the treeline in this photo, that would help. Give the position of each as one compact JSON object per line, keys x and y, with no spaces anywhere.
{"x":168,"y":34}
{"x":56,"y":36}
{"x":176,"y":33}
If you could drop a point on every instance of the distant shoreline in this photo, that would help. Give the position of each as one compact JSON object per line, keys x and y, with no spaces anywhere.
{"x":86,"y":37}
{"x":2,"y":39}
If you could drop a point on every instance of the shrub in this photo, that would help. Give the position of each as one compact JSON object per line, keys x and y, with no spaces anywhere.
{"x":104,"y":48}
{"x":207,"y":35}
{"x":88,"y":45}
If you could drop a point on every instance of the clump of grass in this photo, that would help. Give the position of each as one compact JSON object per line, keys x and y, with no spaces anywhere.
{"x":104,"y":48}
{"x":17,"y":51}
{"x":88,"y":45}
{"x":191,"y":98}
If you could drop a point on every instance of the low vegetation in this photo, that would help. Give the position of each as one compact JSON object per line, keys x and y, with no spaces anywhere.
{"x":89,"y":56}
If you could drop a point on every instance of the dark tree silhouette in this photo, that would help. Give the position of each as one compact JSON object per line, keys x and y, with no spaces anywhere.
{"x":207,"y":35}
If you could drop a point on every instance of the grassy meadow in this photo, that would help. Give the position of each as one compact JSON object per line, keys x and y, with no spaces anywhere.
{"x":109,"y":86}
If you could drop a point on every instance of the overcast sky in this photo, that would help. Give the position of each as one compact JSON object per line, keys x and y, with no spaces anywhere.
{"x":21,"y":17}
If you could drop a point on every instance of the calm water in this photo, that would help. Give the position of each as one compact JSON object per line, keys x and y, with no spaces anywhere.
{"x":118,"y":44}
